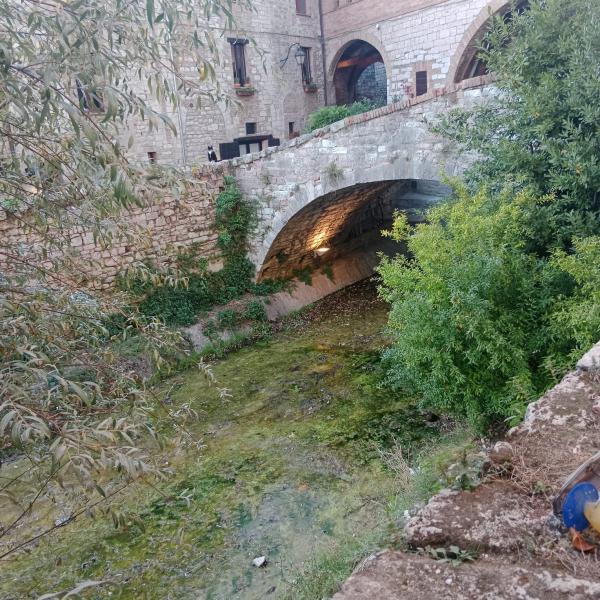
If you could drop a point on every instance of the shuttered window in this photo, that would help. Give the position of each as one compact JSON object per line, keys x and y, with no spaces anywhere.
{"x":306,"y":69}
{"x":301,"y":7}
{"x":238,"y":54}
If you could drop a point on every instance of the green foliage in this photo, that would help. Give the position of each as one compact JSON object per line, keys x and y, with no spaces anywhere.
{"x":501,"y":293}
{"x":575,"y":317}
{"x":180,"y":297}
{"x":474,"y":314}
{"x":331,"y":114}
{"x":543,"y":130}
{"x":267,"y":287}
{"x":234,"y":218}
{"x":304,"y":275}
{"x":255,"y":311}
{"x":334,"y":172}
{"x":327,"y":270}
{"x":228,"y":318}
{"x":74,"y":79}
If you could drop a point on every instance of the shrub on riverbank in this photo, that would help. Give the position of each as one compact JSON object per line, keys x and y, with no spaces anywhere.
{"x":480,"y":326}
{"x":500,"y":295}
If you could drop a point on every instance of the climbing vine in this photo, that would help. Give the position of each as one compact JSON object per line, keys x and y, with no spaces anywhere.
{"x":190,"y":288}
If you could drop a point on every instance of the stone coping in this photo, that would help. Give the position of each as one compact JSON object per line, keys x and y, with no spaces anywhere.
{"x":590,"y":361}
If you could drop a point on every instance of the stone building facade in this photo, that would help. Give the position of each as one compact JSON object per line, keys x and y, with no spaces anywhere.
{"x":380,"y":50}
{"x":273,"y":100}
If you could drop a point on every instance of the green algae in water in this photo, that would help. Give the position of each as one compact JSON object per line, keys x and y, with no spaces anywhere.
{"x":290,"y":471}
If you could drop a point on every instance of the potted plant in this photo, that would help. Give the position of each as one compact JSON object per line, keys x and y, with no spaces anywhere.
{"x":310,"y":88}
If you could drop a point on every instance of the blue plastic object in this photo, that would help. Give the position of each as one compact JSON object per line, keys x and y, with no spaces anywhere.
{"x":574,"y":503}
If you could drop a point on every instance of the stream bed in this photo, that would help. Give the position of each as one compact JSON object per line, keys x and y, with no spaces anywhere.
{"x":290,"y":469}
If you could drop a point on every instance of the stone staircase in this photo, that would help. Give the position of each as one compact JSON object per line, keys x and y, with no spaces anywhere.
{"x":522,"y":550}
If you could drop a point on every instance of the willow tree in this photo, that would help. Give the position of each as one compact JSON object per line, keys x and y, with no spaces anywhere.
{"x":74,"y":74}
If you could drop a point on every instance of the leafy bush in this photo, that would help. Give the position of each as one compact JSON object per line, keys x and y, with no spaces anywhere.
{"x":501,"y":293}
{"x":480,"y":326}
{"x":304,"y":275}
{"x":255,"y":311}
{"x":543,"y":130}
{"x":331,"y":114}
{"x":228,"y":318}
{"x":271,"y":286}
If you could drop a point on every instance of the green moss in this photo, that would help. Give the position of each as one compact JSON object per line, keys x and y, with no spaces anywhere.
{"x":290,"y":470}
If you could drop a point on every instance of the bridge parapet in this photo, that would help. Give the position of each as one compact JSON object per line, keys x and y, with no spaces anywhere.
{"x":389,"y":144}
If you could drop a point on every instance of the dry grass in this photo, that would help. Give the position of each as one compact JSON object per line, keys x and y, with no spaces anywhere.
{"x":396,"y":459}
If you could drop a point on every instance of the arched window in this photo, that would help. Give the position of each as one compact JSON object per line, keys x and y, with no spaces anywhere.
{"x":472,"y":64}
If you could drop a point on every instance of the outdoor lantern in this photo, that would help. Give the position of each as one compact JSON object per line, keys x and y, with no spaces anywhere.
{"x":300,"y":56}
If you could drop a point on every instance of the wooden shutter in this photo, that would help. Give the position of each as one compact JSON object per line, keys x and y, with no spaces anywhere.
{"x":301,"y":7}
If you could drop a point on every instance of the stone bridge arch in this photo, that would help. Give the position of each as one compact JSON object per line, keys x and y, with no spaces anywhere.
{"x":335,"y":187}
{"x":346,"y":224}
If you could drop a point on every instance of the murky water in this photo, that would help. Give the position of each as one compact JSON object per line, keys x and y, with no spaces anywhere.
{"x":290,"y":471}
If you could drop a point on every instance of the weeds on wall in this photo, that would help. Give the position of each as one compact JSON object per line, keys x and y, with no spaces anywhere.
{"x":191,"y":288}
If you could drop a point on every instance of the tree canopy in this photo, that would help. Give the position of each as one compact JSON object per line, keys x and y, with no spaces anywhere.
{"x":500,"y":293}
{"x":74,"y":76}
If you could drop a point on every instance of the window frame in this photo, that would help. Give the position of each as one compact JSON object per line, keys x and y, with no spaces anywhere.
{"x":238,"y":60}
{"x":421,"y":79}
{"x":299,"y":5}
{"x":306,"y":68}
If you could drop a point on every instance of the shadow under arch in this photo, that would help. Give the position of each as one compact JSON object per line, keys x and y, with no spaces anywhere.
{"x":347,"y":222}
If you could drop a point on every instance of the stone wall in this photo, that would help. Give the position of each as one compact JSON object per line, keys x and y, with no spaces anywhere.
{"x":279,"y":99}
{"x":411,"y":36}
{"x":164,"y":225}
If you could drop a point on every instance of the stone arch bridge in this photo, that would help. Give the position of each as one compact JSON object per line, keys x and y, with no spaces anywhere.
{"x":324,"y":197}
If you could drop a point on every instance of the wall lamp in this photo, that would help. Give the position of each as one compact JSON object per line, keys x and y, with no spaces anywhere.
{"x":299,"y":55}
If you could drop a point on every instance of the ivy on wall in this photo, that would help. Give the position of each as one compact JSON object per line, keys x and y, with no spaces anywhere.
{"x":179,"y":300}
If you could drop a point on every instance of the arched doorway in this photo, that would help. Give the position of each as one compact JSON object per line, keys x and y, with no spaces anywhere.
{"x":360,"y":74}
{"x":470,"y":63}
